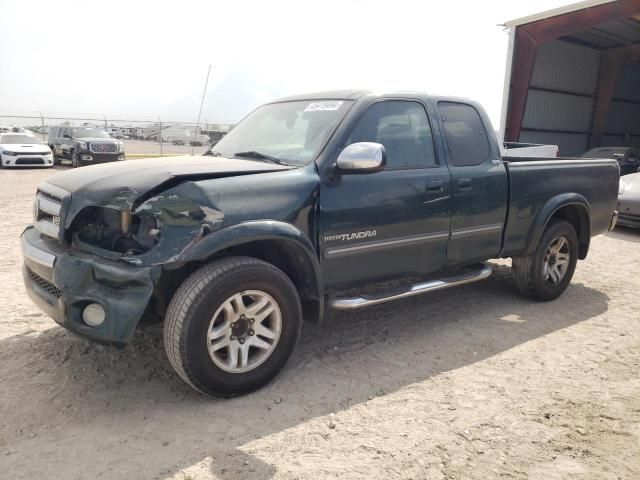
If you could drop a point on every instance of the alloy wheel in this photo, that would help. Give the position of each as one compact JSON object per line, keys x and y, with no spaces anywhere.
{"x":244,"y":331}
{"x":556,"y":260}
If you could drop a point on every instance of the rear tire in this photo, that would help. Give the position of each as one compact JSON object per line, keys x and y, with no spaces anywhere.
{"x":206,"y":331}
{"x":547,"y":272}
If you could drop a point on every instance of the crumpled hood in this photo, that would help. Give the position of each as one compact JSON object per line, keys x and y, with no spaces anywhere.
{"x":123,"y":183}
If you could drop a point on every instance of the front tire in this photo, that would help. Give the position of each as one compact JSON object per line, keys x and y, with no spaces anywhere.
{"x":56,"y":159}
{"x":232,"y":325}
{"x":546,"y":273}
{"x":74,"y":159}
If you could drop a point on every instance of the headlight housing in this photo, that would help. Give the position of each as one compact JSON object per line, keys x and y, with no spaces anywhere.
{"x":115,"y":230}
{"x":120,"y":147}
{"x":9,"y":153}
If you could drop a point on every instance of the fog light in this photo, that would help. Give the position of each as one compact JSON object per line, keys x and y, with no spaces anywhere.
{"x":93,"y":314}
{"x":87,"y":158}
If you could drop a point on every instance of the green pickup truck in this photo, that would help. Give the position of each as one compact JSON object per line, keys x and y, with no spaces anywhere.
{"x":307,"y":198}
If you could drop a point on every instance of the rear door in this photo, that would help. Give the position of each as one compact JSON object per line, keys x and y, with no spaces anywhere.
{"x":393,"y":222}
{"x":480,"y":185}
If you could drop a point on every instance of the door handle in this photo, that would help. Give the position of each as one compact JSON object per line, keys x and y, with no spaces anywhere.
{"x":464,"y":184}
{"x":435,"y":186}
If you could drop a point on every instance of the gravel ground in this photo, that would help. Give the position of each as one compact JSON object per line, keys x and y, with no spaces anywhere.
{"x":469,"y":383}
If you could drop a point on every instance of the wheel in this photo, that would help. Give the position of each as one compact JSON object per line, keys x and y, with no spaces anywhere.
{"x":546,"y":273}
{"x":56,"y":160}
{"x":74,"y":159}
{"x":232,"y":325}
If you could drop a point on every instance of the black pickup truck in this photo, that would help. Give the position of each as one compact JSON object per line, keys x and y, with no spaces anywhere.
{"x":307,"y":198}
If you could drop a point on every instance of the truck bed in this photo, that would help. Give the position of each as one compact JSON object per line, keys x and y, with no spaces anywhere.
{"x":536,"y":184}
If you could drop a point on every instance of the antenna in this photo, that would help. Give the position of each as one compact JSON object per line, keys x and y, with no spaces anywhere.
{"x":204,"y":92}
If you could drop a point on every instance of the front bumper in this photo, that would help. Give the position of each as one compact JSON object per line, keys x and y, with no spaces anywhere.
{"x":26,"y":161}
{"x":629,"y":220}
{"x":87,"y":157}
{"x":629,"y":210}
{"x":62,"y":281}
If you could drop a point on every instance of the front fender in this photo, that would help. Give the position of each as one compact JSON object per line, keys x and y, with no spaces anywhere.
{"x":247,"y":232}
{"x":547,"y":212}
{"x":300,"y":257}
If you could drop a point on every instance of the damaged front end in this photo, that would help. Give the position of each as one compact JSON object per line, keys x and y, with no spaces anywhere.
{"x":109,"y":258}
{"x":67,"y":283}
{"x":100,"y":257}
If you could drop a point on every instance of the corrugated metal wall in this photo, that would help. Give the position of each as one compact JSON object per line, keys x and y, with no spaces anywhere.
{"x":561,"y":97}
{"x":628,"y":86}
{"x":622,"y":126}
{"x":566,"y":66}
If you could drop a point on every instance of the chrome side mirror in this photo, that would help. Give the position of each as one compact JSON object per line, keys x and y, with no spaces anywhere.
{"x":362,"y":157}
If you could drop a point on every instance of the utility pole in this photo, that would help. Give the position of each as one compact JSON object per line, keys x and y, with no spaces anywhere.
{"x":160,"y":132}
{"x":204,"y":92}
{"x":42,"y":120}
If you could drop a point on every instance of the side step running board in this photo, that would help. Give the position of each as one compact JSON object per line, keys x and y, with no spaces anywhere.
{"x":480,"y":272}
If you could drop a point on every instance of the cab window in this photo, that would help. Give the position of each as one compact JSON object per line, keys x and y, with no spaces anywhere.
{"x":403,"y":128}
{"x":465,"y":133}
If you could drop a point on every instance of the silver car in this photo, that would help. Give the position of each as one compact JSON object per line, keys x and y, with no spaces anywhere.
{"x":629,"y":201}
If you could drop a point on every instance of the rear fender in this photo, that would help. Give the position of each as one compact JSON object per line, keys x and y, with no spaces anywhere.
{"x":572,"y":207}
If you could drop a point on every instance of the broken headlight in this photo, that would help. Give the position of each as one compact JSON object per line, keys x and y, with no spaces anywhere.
{"x":115,"y":230}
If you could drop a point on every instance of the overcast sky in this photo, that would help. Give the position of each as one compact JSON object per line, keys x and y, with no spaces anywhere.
{"x":144,"y":59}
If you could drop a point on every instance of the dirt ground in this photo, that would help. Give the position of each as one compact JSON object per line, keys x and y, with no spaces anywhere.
{"x":469,"y":383}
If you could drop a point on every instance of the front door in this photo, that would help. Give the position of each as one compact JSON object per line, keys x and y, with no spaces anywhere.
{"x":63,"y":143}
{"x":480,"y":185}
{"x":394,"y":222}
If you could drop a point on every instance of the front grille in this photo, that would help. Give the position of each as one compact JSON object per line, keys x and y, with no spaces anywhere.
{"x":103,"y":147}
{"x":48,"y":210}
{"x":29,"y":161}
{"x":45,"y":285}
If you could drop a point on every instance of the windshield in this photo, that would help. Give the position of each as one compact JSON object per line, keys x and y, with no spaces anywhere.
{"x":21,"y":139}
{"x":84,"y":132}
{"x":293,"y":132}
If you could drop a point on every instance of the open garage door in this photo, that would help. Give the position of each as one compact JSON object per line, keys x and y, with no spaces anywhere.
{"x":573,"y":77}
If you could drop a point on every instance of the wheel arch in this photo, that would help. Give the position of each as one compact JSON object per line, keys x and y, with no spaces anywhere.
{"x":278,"y":243}
{"x":572,"y":207}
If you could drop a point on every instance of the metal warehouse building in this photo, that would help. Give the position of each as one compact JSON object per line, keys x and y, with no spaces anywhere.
{"x":573,"y":77}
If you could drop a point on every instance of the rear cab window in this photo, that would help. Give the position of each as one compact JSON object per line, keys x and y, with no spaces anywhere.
{"x":465,"y":134}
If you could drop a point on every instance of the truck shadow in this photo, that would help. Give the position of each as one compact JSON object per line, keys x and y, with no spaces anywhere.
{"x":91,"y":411}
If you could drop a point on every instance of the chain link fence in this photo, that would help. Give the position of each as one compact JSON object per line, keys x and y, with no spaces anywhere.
{"x":142,"y":138}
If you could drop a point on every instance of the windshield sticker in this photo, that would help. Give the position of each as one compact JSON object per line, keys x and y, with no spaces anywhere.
{"x":323,"y":106}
